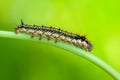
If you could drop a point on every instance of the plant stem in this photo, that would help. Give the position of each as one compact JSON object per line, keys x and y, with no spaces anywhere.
{"x":86,"y":55}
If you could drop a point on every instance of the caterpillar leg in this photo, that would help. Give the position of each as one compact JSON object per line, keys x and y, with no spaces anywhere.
{"x":33,"y":34}
{"x":49,"y":38}
{"x":40,"y":37}
{"x":57,"y":40}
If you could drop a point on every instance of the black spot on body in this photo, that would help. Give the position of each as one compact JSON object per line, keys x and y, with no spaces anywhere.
{"x":67,"y":34}
{"x":62,"y":32}
{"x":38,"y":28}
{"x":45,"y":28}
{"x":77,"y":37}
{"x":83,"y":38}
{"x":30,"y":26}
{"x":54,"y":30}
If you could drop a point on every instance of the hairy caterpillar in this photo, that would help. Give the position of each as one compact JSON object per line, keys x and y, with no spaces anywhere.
{"x":54,"y":33}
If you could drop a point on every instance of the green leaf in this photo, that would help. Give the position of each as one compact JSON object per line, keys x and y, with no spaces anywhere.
{"x":77,"y":51}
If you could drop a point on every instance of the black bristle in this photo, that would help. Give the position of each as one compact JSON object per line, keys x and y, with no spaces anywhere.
{"x":22,"y":23}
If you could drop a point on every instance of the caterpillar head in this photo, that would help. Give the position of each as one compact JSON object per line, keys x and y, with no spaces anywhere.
{"x":84,"y":42}
{"x":18,"y":29}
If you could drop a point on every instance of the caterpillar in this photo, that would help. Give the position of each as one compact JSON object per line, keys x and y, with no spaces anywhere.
{"x":55,"y":33}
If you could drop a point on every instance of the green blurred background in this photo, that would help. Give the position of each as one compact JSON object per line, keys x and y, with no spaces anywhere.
{"x":26,"y":60}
